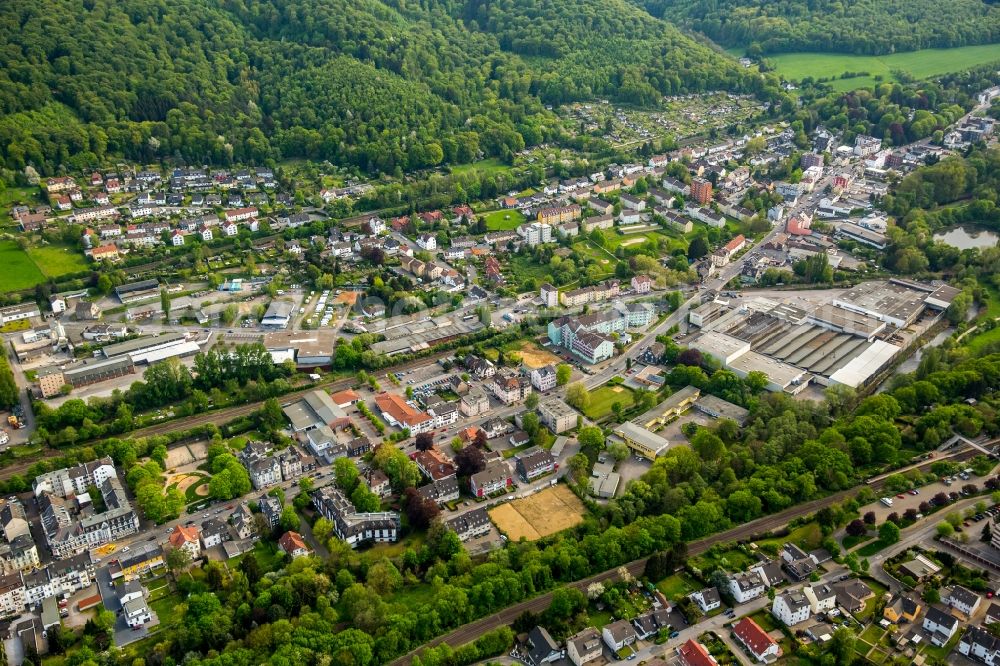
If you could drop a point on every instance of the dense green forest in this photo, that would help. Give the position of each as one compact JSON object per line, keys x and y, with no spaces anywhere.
{"x":385,"y":86}
{"x":874,"y":27}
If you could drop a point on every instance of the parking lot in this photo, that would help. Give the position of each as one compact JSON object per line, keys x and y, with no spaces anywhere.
{"x":903,"y":501}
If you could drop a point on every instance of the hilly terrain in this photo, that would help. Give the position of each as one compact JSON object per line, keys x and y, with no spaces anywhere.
{"x":382,"y":86}
{"x":872,"y":27}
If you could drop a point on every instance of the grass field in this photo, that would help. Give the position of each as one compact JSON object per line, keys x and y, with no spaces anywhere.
{"x":536,"y":516}
{"x":601,"y":400}
{"x":20,"y":272}
{"x":920,"y":64}
{"x":20,"y":196}
{"x":677,"y":586}
{"x":598,"y":254}
{"x":491,"y":166}
{"x":503,"y":220}
{"x":57,"y":260}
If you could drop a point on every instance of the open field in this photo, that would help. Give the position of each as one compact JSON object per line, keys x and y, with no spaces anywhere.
{"x":20,"y":272}
{"x":920,"y":64}
{"x":57,"y":260}
{"x":494,"y":165}
{"x":503,"y":220}
{"x":547,"y":512}
{"x":536,"y":357}
{"x":602,"y":398}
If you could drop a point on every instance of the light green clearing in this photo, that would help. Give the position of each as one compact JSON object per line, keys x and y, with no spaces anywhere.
{"x":919,"y":64}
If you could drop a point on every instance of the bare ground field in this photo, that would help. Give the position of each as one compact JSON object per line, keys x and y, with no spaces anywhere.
{"x":536,"y":516}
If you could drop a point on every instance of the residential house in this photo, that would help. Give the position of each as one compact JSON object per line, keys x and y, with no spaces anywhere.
{"x":852,"y":594}
{"x":544,"y":378}
{"x":584,"y":646}
{"x":471,"y":524}
{"x":494,"y":478}
{"x":642,"y":284}
{"x":755,"y":640}
{"x":534,"y":463}
{"x":693,"y":653}
{"x":939,"y":625}
{"x":186,"y":539}
{"x":708,"y":599}
{"x":650,"y":623}
{"x":904,"y":609}
{"x":618,"y":635}
{"x":440,"y":491}
{"x":821,"y":597}
{"x":963,"y":600}
{"x":474,"y":403}
{"x":213,"y":532}
{"x":510,"y":388}
{"x":293,"y":545}
{"x":541,"y":649}
{"x":979,"y":644}
{"x":744,"y":586}
{"x":791,"y":608}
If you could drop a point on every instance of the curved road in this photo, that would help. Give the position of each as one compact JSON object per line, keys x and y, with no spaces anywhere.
{"x":473,"y":630}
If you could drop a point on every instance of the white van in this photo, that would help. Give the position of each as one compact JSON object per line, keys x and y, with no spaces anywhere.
{"x":887,"y":501}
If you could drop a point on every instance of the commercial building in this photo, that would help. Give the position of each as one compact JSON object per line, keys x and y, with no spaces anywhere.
{"x":315,"y":410}
{"x":13,"y":313}
{"x":398,"y":412}
{"x":675,"y":405}
{"x":642,"y":442}
{"x":278,"y":314}
{"x":718,"y":408}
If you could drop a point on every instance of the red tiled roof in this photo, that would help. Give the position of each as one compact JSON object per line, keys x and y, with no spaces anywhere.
{"x":291,"y":542}
{"x":182,"y":535}
{"x":694,"y":653}
{"x":735,"y":243}
{"x":342,"y":398}
{"x":753,"y":636}
{"x":396,"y":407}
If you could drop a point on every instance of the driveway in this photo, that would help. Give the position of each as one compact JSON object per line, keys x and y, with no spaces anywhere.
{"x":123,"y":633}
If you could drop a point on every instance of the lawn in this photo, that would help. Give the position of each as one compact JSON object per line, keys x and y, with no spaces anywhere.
{"x":20,"y":272}
{"x":601,"y":400}
{"x":503,"y":220}
{"x":598,"y":254}
{"x":806,"y":536}
{"x":56,"y":260}
{"x":870,"y":549}
{"x":677,"y":586}
{"x":920,"y":64}
{"x":494,"y":165}
{"x":852,"y":541}
{"x":10,"y":196}
{"x":164,"y":607}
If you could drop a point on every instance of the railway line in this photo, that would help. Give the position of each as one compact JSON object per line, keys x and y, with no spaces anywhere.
{"x":746,"y":532}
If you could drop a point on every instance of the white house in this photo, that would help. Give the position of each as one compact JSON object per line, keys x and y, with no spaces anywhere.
{"x":980,"y":644}
{"x":821,"y":597}
{"x":963,"y":600}
{"x":939,"y":625}
{"x":544,"y":378}
{"x":618,"y":634}
{"x":177,"y":238}
{"x":745,"y":586}
{"x":427,"y":242}
{"x":791,"y":608}
{"x":708,"y":599}
{"x":584,"y":646}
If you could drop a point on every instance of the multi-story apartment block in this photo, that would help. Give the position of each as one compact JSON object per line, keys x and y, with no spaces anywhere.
{"x":510,"y":388}
{"x":352,"y":526}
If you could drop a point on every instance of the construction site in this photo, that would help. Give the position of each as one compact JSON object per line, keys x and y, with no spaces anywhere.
{"x":845,"y":337}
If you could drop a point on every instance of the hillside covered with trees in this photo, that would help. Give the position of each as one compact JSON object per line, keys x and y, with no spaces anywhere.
{"x":873,"y":27}
{"x":384,"y":86}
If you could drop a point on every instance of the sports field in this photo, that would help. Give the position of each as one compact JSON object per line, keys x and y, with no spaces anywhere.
{"x":536,"y":516}
{"x":503,"y":220}
{"x":602,"y":398}
{"x":920,"y":64}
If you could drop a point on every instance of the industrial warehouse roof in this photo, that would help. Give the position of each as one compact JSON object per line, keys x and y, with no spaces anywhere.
{"x":867,"y":363}
{"x":139,"y":344}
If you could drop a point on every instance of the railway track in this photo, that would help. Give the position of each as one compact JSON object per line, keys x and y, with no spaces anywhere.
{"x":747,"y":532}
{"x":222,"y":416}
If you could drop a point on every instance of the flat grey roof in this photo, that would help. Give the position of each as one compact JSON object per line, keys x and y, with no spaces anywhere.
{"x":138,"y":344}
{"x":638,"y":434}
